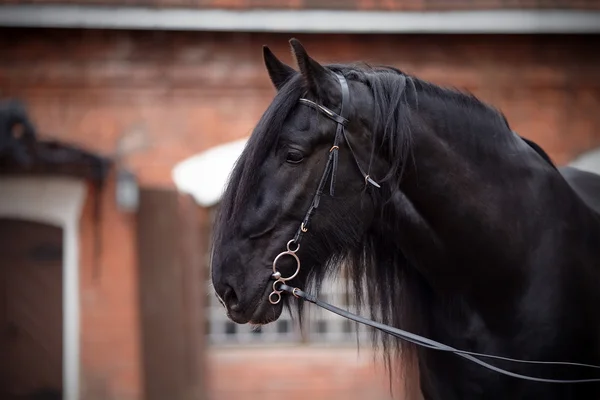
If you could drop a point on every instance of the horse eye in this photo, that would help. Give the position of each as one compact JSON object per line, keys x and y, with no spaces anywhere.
{"x":294,"y":157}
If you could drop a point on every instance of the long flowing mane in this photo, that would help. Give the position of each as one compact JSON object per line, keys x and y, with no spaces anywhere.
{"x":381,"y":275}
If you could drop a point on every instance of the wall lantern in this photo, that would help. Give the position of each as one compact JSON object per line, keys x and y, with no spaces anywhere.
{"x":127,"y":191}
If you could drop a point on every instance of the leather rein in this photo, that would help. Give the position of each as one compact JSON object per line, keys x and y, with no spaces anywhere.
{"x":280,"y":286}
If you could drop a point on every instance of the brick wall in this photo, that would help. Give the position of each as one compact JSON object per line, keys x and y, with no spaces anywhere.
{"x":298,"y":373}
{"x":188,"y":91}
{"x":109,"y":310}
{"x":184,"y":92}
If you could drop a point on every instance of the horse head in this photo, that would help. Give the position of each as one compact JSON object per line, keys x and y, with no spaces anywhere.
{"x":275,"y":180}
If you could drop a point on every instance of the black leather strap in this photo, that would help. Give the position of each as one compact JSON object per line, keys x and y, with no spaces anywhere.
{"x":326,"y":111}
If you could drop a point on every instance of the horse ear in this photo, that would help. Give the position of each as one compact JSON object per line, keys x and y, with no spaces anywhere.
{"x":319,"y":79}
{"x":279,"y":72}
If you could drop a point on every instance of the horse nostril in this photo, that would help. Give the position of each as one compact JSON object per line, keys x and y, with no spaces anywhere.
{"x":230,"y":298}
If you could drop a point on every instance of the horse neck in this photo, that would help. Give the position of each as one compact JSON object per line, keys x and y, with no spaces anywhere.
{"x":457,"y":208}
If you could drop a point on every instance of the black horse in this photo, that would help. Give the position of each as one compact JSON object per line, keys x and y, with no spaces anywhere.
{"x":474,"y":237}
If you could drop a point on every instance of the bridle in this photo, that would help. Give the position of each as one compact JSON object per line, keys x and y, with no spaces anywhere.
{"x":330,"y":171}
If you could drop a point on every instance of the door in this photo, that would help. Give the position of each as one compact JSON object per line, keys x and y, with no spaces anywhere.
{"x":170,"y":254}
{"x":31,"y":319}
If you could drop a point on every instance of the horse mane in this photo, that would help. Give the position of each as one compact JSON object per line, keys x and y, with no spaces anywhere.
{"x":395,"y":292}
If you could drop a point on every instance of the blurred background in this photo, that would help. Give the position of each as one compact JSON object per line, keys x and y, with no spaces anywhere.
{"x":117,"y":121}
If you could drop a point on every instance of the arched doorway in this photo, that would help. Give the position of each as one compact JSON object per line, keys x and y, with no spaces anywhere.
{"x":34,"y":211}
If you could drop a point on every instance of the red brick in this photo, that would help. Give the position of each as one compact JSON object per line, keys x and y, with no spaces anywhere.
{"x":109,"y":311}
{"x":298,"y":372}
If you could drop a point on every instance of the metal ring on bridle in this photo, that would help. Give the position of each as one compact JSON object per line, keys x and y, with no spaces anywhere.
{"x":278,"y":294}
{"x":286,"y":253}
{"x":288,"y":246}
{"x":275,"y":283}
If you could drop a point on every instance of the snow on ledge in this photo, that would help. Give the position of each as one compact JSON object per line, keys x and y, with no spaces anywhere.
{"x":588,"y":161}
{"x":204,"y":175}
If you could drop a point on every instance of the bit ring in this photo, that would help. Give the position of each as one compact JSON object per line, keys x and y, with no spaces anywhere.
{"x":278,"y":294}
{"x":293,"y":241}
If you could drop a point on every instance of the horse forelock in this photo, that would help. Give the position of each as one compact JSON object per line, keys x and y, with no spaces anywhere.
{"x":246,"y":172}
